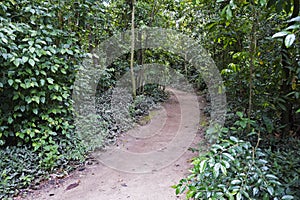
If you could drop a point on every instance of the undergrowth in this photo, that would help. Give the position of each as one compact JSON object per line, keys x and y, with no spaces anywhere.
{"x":22,"y":168}
{"x":240,"y":169}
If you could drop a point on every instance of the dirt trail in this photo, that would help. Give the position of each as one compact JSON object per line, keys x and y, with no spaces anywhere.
{"x":100,"y":182}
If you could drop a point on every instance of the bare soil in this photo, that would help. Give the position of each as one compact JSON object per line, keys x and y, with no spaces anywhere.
{"x":98,"y":181}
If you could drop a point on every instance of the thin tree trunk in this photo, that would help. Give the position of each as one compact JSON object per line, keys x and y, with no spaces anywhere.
{"x":132,"y":52}
{"x":140,"y":62}
{"x":252,"y":59}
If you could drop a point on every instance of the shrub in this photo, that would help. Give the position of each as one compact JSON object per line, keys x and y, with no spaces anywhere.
{"x":39,"y":63}
{"x":233,"y":169}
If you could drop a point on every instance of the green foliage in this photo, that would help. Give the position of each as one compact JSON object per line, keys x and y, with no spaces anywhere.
{"x":39,"y":62}
{"x":21,"y":167}
{"x":156,"y":92}
{"x":286,"y":164}
{"x":42,"y":43}
{"x":233,"y":169}
{"x":38,"y":69}
{"x":15,"y":176}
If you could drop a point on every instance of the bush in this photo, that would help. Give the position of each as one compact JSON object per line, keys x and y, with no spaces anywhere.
{"x":286,"y":165}
{"x":233,"y":169}
{"x":39,"y":63}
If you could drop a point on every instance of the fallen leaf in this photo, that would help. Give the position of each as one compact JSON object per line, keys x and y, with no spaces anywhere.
{"x":73,"y":185}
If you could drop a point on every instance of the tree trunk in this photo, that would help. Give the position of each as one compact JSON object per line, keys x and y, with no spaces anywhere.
{"x":140,"y":62}
{"x":132,"y":52}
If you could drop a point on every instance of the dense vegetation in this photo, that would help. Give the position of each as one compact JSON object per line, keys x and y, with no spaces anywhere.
{"x":254,"y":43}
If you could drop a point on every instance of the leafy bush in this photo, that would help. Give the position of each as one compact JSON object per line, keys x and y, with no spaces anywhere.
{"x":39,"y":63}
{"x":156,"y":92}
{"x":286,"y":165}
{"x":141,"y":106}
{"x":39,"y":60}
{"x":233,"y":169}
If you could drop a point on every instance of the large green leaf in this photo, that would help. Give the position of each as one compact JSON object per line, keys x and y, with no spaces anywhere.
{"x":289,"y":40}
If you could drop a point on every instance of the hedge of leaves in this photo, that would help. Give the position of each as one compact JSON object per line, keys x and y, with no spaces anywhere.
{"x":38,"y":68}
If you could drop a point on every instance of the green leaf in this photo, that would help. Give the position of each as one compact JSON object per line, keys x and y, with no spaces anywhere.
{"x":236,"y":182}
{"x":43,"y":99}
{"x":17,"y":62}
{"x":289,"y":40}
{"x":225,"y":163}
{"x":280,"y":34}
{"x":293,"y":27}
{"x":20,"y":134}
{"x":228,"y":156}
{"x":198,"y":195}
{"x":177,"y":190}
{"x":217,"y":169}
{"x":52,"y":50}
{"x":70,"y":52}
{"x":266,"y":196}
{"x":240,"y":114}
{"x":228,"y":13}
{"x":190,"y":194}
{"x":296,"y":19}
{"x":223,"y":169}
{"x":263,"y":2}
{"x":31,"y":62}
{"x":287,"y":197}
{"x":4,"y":40}
{"x":65,"y":95}
{"x":10,"y":82}
{"x":234,"y":139}
{"x":28,"y":99}
{"x":32,"y":49}
{"x":182,"y":189}
{"x":239,"y":196}
{"x":36,"y":99}
{"x":245,"y":194}
{"x":10,"y":120}
{"x":25,"y":59}
{"x":229,"y":195}
{"x":271,"y":176}
{"x":59,"y":98}
{"x":35,"y":111}
{"x":50,"y":80}
{"x":202,"y":166}
{"x":255,"y":191}
{"x":22,"y":108}
{"x":270,"y":190}
{"x":42,"y":81}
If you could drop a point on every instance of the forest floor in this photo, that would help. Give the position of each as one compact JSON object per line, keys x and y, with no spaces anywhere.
{"x":113,"y":179}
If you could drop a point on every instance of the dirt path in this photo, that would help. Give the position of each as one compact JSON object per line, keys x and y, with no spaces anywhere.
{"x":114,"y":176}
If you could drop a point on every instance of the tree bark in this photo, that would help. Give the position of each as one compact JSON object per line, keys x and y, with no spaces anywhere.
{"x":132,"y":52}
